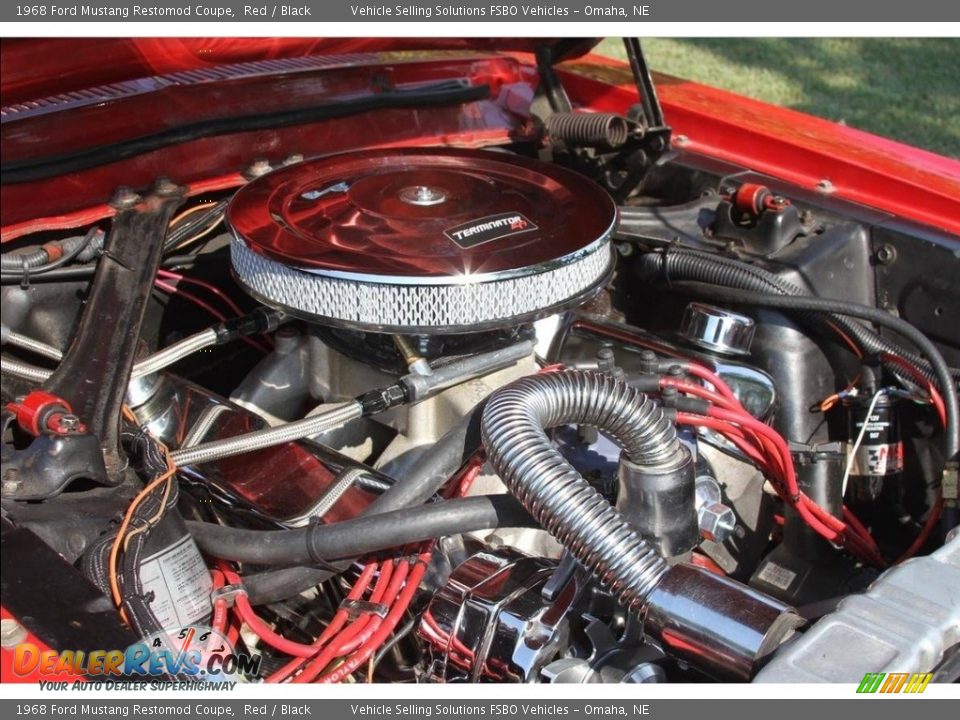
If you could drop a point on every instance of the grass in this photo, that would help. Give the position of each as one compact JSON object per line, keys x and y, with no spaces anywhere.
{"x":907,"y":89}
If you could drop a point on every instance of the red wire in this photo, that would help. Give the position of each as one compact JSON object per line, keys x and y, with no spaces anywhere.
{"x":935,"y":398}
{"x":260,"y":628}
{"x":711,"y":377}
{"x":209,"y":287}
{"x":213,"y":289}
{"x":768,"y":449}
{"x":700,"y":392}
{"x":366,"y":651}
{"x":925,"y":531}
{"x":357,"y":634}
{"x":336,"y":623}
{"x":219,"y":621}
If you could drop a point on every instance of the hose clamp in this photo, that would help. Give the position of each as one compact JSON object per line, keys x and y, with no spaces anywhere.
{"x":356,"y":608}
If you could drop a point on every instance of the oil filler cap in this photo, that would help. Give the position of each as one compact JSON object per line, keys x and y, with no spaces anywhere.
{"x":717,"y":330}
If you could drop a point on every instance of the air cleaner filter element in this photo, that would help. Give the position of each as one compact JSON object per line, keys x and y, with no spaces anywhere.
{"x":421,"y":240}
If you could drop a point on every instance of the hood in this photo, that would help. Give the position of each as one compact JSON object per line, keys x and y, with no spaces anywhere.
{"x":34,"y":68}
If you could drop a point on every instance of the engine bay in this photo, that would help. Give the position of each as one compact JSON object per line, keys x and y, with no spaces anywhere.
{"x":525,"y":413}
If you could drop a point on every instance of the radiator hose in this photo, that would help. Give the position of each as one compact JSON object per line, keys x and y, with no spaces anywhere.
{"x":719,"y":625}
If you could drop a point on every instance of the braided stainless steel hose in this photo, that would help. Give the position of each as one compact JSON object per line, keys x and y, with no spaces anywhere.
{"x":555,"y":494}
{"x":329,"y":418}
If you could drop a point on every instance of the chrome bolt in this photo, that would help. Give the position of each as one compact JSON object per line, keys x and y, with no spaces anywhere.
{"x":10,"y":482}
{"x":422,"y":195}
{"x":12,"y":633}
{"x":717,"y":522}
{"x":257,"y":168}
{"x":124,"y":198}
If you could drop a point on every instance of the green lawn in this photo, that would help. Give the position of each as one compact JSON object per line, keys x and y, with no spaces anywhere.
{"x":903,"y":88}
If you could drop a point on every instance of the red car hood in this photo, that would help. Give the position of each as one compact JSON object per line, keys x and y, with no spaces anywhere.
{"x":34,"y":68}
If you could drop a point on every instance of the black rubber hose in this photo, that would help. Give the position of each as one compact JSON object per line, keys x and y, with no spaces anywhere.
{"x":434,"y":467}
{"x":677,"y":264}
{"x":865,"y":312}
{"x":362,"y":535}
{"x":427,"y":475}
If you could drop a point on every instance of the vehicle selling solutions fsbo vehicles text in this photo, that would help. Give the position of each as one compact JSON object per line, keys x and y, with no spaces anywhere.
{"x":497,"y":10}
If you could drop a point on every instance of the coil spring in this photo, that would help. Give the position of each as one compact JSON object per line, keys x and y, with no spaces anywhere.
{"x":555,"y":494}
{"x":589,"y":129}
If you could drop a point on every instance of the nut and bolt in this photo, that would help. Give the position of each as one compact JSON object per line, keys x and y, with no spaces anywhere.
{"x":825,"y":186}
{"x":886,"y":254}
{"x":257,"y":168}
{"x":11,"y":484}
{"x":124,"y":198}
{"x":69,"y":423}
{"x":717,"y":522}
{"x":165,"y":187}
{"x":12,"y":633}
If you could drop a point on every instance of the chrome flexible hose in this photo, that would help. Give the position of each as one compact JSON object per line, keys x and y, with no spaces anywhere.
{"x":172,"y":353}
{"x":151,"y":364}
{"x":555,"y":494}
{"x":30,"y":373}
{"x":268,"y":437}
{"x":34,"y":346}
{"x":203,"y":425}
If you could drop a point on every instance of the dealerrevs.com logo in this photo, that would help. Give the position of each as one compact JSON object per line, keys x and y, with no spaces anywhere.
{"x":894,"y":682}
{"x":192,"y":653}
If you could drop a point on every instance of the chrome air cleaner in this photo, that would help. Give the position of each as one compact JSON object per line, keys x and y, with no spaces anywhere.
{"x":424,"y":240}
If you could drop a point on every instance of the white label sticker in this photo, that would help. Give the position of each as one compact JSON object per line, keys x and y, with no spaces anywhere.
{"x":776,"y":575}
{"x":180,"y":581}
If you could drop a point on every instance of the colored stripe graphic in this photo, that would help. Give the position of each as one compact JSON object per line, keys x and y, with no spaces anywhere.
{"x":894,"y":682}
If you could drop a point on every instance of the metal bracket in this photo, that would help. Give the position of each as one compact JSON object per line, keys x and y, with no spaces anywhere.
{"x":95,"y":371}
{"x":227,"y":593}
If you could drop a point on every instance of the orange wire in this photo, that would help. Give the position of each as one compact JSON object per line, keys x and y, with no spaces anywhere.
{"x":127,"y":518}
{"x":190,"y":211}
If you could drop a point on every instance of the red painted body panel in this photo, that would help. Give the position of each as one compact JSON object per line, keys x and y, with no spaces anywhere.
{"x":37,"y":67}
{"x":785,"y":144}
{"x":7,"y":675}
{"x":793,"y":147}
{"x":70,"y":200}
